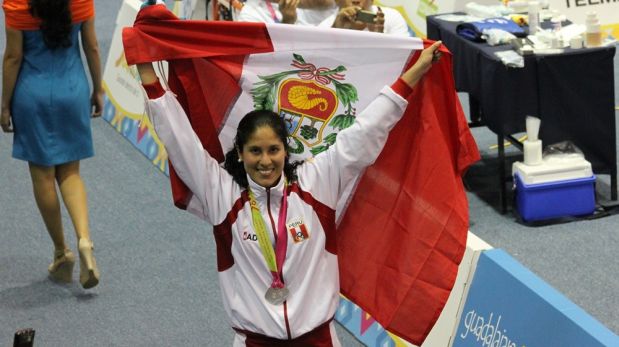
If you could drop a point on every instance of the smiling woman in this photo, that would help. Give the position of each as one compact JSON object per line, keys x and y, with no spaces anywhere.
{"x":260,"y":150}
{"x":263,"y":157}
{"x":274,"y":221}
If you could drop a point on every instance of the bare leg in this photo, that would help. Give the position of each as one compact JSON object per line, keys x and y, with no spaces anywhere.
{"x":44,"y":188}
{"x":74,"y":196}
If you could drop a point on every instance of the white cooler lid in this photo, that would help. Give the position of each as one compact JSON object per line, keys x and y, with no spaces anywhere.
{"x":554,"y":168}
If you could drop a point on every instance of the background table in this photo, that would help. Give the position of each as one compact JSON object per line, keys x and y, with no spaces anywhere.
{"x":572,"y":93}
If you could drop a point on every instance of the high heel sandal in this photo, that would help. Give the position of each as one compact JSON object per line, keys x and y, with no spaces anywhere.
{"x":61,"y":269}
{"x":89,"y":274}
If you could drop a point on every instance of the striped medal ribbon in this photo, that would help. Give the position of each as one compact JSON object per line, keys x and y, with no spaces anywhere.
{"x":277,"y":293}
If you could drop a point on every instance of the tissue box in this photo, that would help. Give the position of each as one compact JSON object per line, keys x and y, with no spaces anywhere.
{"x":570,"y":197}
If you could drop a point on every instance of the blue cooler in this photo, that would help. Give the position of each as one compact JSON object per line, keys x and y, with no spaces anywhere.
{"x":556,"y":188}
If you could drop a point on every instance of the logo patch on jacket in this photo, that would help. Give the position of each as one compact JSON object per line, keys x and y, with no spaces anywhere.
{"x":297,"y":230}
{"x":249,"y":236}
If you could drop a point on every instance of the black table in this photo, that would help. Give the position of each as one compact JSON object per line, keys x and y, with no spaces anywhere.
{"x":572,"y":93}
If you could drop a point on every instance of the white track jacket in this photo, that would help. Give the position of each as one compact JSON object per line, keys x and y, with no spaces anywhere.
{"x":311,"y":267}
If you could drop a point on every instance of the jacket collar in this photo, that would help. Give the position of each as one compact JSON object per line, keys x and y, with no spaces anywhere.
{"x":261,"y":192}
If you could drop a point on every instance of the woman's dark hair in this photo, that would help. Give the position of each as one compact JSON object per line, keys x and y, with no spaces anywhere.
{"x":55,"y":18}
{"x":250,"y":122}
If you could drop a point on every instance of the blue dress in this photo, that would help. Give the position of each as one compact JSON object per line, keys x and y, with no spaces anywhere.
{"x":51,"y":103}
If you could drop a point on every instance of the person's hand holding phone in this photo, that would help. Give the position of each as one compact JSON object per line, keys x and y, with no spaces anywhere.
{"x":378,"y":23}
{"x":347,"y":16}
{"x":355,"y":17}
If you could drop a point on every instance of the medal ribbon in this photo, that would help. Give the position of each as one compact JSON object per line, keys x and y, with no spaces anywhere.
{"x":272,"y":11}
{"x":274,"y":259}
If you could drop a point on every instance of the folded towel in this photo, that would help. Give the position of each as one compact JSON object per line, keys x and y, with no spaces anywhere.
{"x":473,"y":30}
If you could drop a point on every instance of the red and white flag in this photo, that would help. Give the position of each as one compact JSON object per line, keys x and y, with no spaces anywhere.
{"x":402,"y":230}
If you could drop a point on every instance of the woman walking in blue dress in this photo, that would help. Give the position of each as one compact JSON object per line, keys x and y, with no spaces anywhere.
{"x":47,"y":103}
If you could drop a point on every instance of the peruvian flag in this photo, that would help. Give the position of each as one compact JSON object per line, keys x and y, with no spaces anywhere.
{"x":402,"y":229}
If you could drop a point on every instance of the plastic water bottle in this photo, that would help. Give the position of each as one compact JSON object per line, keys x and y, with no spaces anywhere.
{"x":593,"y":35}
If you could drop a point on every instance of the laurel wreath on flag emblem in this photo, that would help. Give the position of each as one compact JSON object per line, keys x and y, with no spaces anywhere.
{"x":306,"y":100}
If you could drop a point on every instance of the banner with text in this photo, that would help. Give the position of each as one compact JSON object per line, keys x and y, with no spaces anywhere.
{"x":576,"y":11}
{"x":508,"y":305}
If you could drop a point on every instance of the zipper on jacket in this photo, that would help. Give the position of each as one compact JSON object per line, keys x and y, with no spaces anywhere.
{"x":286,"y":319}
{"x":282,"y":275}
{"x":270,"y":216}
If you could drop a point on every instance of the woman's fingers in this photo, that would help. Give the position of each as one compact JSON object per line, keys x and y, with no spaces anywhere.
{"x":5,"y":123}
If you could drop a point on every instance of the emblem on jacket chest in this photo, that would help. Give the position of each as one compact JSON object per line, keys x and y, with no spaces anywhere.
{"x":298,"y":230}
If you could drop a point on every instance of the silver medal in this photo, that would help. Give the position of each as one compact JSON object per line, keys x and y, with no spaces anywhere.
{"x":276,"y":296}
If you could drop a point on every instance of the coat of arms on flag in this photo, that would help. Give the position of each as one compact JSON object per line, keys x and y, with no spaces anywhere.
{"x":308,"y":103}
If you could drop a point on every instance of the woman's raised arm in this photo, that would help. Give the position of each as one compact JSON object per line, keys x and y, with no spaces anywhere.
{"x":428,"y":56}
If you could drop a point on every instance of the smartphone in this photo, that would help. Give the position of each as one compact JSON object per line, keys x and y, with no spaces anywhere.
{"x":366,"y":16}
{"x":24,"y":338}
